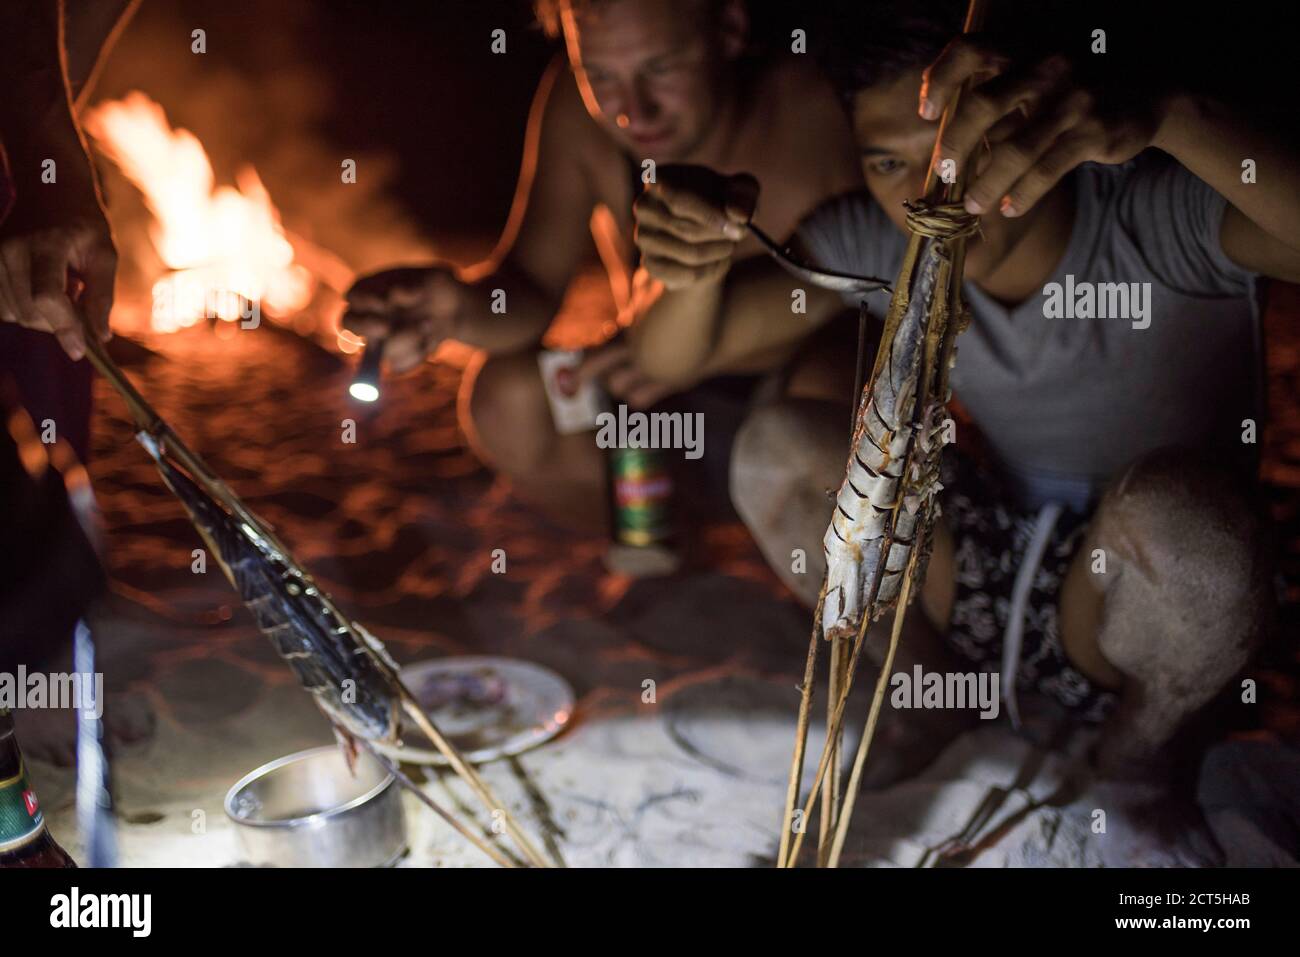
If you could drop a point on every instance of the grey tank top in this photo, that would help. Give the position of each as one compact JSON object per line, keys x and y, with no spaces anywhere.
{"x":1072,"y":384}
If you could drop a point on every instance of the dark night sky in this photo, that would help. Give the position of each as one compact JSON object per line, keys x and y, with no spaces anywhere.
{"x":421,"y":79}
{"x":413,"y":80}
{"x":416,"y":82}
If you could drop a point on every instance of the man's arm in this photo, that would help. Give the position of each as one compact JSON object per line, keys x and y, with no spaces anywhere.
{"x":91,"y":28}
{"x":745,"y":320}
{"x":1068,"y":126}
{"x":56,"y":225}
{"x":542,"y":245}
{"x":36,"y":117}
{"x":760,"y":329}
{"x":1261,"y":226}
{"x":547,"y":234}
{"x":702,"y":311}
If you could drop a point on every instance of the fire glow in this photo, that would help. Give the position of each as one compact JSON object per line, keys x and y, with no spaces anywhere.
{"x":225,"y":246}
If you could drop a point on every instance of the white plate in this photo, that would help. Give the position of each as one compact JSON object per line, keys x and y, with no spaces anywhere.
{"x":487,"y":707}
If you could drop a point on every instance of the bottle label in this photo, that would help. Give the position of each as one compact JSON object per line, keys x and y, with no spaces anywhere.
{"x":21,"y":818}
{"x":642,"y":492}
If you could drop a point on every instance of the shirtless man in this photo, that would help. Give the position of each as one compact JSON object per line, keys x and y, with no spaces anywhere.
{"x":663,"y":80}
{"x":1152,"y":592}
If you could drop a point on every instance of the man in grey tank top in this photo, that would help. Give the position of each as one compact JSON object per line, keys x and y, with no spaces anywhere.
{"x":1112,"y":370}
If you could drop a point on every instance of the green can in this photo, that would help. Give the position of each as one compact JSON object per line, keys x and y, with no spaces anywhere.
{"x":642,"y":489}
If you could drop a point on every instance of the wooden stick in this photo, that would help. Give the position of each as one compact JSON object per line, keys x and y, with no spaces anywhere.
{"x":837,"y":722}
{"x":801,"y":731}
{"x":831,"y":795}
{"x":864,"y":745}
{"x":833,"y":728}
{"x":470,"y":776}
{"x":938,"y":190}
{"x":950,"y":192}
{"x":839,"y":661}
{"x":411,"y":786}
{"x":150,"y":422}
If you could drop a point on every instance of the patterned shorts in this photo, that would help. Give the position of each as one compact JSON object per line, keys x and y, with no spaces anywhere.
{"x":990,"y":539}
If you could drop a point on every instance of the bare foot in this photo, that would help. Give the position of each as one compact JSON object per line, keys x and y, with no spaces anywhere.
{"x":906,"y":743}
{"x":1117,"y":756}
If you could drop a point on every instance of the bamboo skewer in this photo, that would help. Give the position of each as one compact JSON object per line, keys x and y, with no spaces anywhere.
{"x":801,"y":734}
{"x":150,"y":422}
{"x":864,"y":744}
{"x":396,"y":771}
{"x":928,"y":371}
{"x":945,"y":312}
{"x":836,"y":722}
{"x":470,"y":776}
{"x":831,"y":794}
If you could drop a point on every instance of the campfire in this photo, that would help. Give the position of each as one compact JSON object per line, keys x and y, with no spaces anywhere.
{"x":223,"y":250}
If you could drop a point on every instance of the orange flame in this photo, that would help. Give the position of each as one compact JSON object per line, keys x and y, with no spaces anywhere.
{"x":225,"y":246}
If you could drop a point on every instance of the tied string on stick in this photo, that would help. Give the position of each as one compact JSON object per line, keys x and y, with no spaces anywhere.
{"x":942,"y":221}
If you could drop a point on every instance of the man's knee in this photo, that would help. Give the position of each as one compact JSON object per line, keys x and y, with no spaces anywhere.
{"x":784,"y":460}
{"x":1180,"y":542}
{"x":504,"y":414}
{"x":1187,"y":524}
{"x":768,"y":468}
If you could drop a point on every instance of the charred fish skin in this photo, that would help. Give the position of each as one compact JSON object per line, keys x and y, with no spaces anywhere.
{"x":877,"y":502}
{"x":316,"y":645}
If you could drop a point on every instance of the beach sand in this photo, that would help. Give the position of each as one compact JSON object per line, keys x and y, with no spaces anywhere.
{"x":400,"y":527}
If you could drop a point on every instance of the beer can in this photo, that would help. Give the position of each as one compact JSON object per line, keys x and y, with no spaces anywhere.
{"x":642,"y":496}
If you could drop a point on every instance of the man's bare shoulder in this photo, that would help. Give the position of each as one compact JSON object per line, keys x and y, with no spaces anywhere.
{"x":568,"y":129}
{"x":566,"y":116}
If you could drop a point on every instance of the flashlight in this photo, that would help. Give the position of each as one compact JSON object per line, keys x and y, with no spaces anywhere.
{"x":365,"y":385}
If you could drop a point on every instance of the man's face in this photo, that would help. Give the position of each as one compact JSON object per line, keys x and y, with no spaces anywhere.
{"x":653,"y":73}
{"x":896,"y":146}
{"x":895,"y":143}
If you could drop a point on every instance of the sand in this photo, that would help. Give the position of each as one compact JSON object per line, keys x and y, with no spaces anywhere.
{"x":400,"y":527}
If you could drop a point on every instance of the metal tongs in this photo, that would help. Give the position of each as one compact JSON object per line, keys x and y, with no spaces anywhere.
{"x":840,"y":282}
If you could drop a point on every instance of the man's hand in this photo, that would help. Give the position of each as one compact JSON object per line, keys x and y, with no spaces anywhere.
{"x":689,"y":222}
{"x":613,"y":368}
{"x":1039,"y":122}
{"x":35,"y":268}
{"x":412,"y":308}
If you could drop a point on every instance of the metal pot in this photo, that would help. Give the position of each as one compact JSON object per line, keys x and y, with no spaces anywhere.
{"x":308,"y":810}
